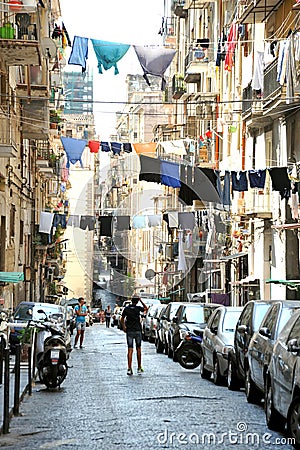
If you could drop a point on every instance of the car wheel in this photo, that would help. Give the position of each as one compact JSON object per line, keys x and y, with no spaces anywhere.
{"x":293,"y":422}
{"x":233,"y":382}
{"x":252,"y":393}
{"x":217,"y":377}
{"x":159,"y":346}
{"x":274,"y":419}
{"x":204,"y":373}
{"x":166,"y":348}
{"x":187,"y":357}
{"x":175,"y":357}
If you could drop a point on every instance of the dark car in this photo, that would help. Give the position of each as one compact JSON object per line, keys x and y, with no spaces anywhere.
{"x":189,"y":316}
{"x":282,"y":399}
{"x":164,"y":326}
{"x":217,"y":341}
{"x":159,"y":343}
{"x":261,"y":347}
{"x":248,"y":323}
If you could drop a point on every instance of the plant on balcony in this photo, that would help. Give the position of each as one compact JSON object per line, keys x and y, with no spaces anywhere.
{"x":55,"y":116}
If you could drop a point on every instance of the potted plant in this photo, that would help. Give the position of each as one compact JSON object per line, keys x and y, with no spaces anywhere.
{"x":55,"y":118}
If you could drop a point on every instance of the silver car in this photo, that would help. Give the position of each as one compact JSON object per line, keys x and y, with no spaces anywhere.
{"x":217,"y":341}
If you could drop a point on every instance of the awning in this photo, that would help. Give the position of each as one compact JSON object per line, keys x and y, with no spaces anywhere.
{"x":292,"y":284}
{"x":11,"y":277}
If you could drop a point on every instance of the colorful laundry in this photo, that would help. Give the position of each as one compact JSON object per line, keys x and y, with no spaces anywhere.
{"x":79,"y":53}
{"x":108,"y":54}
{"x":154,"y":61}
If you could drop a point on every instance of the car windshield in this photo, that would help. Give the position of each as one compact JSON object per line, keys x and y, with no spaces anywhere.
{"x":230,"y":321}
{"x":196,"y":314}
{"x":260,"y":311}
{"x":27,"y":312}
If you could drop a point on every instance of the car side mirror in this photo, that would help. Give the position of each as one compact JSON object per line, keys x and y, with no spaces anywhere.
{"x":175,"y":319}
{"x":264,"y":331}
{"x":293,"y":346}
{"x":214,"y":330}
{"x":242,"y":329}
{"x":164,"y":317}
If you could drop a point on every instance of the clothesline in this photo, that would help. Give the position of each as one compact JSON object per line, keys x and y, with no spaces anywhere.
{"x":153,"y":60}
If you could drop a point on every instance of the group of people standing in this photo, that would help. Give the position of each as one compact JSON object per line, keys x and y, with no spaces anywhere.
{"x":130,"y":322}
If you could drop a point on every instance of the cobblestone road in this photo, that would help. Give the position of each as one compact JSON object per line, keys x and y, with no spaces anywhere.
{"x":100,"y":407}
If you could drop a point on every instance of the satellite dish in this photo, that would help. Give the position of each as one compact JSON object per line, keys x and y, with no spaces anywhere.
{"x":49,"y":47}
{"x":149,"y":274}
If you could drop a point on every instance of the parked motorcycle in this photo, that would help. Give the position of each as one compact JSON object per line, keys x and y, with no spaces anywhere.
{"x":189,"y":351}
{"x":52,"y":352}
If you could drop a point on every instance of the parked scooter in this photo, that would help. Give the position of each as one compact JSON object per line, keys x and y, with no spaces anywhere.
{"x":4,"y":328}
{"x":52,"y":355}
{"x":189,"y":351}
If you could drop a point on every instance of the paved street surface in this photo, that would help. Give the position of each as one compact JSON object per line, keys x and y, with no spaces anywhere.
{"x":100,"y":407}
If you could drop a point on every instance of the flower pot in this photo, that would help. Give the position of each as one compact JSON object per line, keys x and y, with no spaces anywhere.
{"x":53,"y":126}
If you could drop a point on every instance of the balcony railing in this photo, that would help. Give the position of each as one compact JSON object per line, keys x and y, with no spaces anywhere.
{"x":271,"y":85}
{"x":178,"y":86}
{"x":8,"y":133}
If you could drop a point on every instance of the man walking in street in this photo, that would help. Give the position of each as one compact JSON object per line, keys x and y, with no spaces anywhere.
{"x":80,"y":312}
{"x":131,"y":323}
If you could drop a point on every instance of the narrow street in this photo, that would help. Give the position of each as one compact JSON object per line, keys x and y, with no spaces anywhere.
{"x":100,"y":407}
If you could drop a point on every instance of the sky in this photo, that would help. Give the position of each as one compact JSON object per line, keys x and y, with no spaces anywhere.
{"x":129,"y":22}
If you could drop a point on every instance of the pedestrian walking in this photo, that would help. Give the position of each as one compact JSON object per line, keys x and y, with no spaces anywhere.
{"x":131,"y":323}
{"x":107,"y":314}
{"x":81,"y":312}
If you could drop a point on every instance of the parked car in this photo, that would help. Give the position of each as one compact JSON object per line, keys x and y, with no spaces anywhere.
{"x":95,"y":312}
{"x":217,"y":341}
{"x":26,"y":311}
{"x":248,"y":323}
{"x":159,"y":343}
{"x":189,"y":316}
{"x":146,"y":322}
{"x":261,"y":347}
{"x":154,"y":322}
{"x":282,"y":399}
{"x":164,"y":326}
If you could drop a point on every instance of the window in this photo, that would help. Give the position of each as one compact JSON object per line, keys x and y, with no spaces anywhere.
{"x":216,"y":320}
{"x":270,"y":319}
{"x":295,"y":333}
{"x":12,"y":221}
{"x":21,"y":232}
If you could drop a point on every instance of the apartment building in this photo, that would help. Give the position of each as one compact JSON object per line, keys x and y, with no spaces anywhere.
{"x":34,"y":182}
{"x":235,"y":83}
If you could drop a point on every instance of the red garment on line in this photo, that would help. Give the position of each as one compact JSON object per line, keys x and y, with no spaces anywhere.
{"x":94,"y":146}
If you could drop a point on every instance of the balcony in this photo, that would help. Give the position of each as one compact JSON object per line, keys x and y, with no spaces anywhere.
{"x":180,"y":9}
{"x":35,"y":119}
{"x":19,"y":43}
{"x":258,"y":203}
{"x":178,"y":86}
{"x":195,"y":64}
{"x":273,"y":100}
{"x":32,"y":83}
{"x":251,"y":11}
{"x":8,"y":134}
